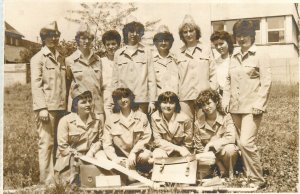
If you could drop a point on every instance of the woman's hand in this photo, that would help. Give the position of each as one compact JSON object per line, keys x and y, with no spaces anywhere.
{"x":256,"y":111}
{"x":131,"y":161}
{"x":120,"y":160}
{"x":183,"y":151}
{"x":44,"y":115}
{"x":151,"y":107}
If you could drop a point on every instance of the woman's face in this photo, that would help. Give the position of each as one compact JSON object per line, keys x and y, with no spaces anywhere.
{"x":85,"y":42}
{"x":210,"y":107}
{"x":52,"y":40}
{"x":189,"y":35}
{"x":124,"y":103}
{"x":221,"y":46}
{"x":244,"y":41}
{"x":84,"y":104}
{"x":163,"y":45}
{"x":133,"y":37}
{"x":168,"y":108}
{"x":111,"y":46}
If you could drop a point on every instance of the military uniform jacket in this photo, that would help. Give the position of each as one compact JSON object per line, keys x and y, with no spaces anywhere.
{"x":221,"y":134}
{"x":249,"y":81}
{"x":135,"y":72}
{"x":74,"y":135}
{"x":48,"y":81}
{"x":166,"y":72}
{"x":87,"y":73}
{"x":180,"y":135}
{"x":126,"y":137}
{"x":196,"y":71}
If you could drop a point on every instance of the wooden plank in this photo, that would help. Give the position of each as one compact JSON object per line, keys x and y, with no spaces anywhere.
{"x":108,"y":165}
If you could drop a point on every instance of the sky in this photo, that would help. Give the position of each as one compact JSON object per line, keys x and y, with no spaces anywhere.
{"x":29,"y":16}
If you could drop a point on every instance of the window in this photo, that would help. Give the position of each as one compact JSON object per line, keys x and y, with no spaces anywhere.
{"x":275,"y":29}
{"x":217,"y":26}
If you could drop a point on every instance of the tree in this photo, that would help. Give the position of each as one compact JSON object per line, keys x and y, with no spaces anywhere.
{"x":105,"y":16}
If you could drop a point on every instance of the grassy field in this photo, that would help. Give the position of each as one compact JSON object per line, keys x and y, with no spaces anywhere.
{"x":278,"y":139}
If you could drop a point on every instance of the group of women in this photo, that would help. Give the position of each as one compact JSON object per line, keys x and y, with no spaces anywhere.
{"x":135,"y":104}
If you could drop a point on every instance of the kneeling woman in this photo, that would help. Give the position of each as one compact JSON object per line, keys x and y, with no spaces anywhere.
{"x":172,"y":129}
{"x":216,"y":133}
{"x":79,"y":133}
{"x":127,"y":132}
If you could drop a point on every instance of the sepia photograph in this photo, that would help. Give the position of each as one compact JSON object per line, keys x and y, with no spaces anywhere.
{"x":150,"y":96}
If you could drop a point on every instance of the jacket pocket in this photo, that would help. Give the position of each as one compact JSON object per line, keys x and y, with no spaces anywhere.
{"x":78,"y":74}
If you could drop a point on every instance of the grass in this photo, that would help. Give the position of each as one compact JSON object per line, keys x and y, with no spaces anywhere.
{"x":278,"y":139}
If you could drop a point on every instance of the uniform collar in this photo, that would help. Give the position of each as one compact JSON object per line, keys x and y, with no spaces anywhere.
{"x":157,"y":116}
{"x":77,"y":56}
{"x":205,"y":125}
{"x":140,"y":48}
{"x":46,"y":51}
{"x":74,"y":118}
{"x":136,"y":115}
{"x":198,"y":46}
{"x":251,"y":50}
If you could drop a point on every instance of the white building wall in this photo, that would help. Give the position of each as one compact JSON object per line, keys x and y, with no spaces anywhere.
{"x":226,"y":11}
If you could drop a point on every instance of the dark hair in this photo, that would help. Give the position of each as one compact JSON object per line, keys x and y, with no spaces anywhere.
{"x":163,"y":36}
{"x":192,"y":26}
{"x":204,"y":97}
{"x":75,"y":100}
{"x":168,"y":97}
{"x":45,"y":33}
{"x":123,"y":93}
{"x":83,"y":33}
{"x":223,"y":35}
{"x":111,"y":35}
{"x":131,"y":27}
{"x":244,"y":28}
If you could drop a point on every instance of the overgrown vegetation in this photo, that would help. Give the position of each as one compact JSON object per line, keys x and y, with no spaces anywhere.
{"x":277,"y":139}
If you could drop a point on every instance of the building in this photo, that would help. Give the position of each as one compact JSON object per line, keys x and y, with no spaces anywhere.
{"x":277,"y":32}
{"x":17,"y":53}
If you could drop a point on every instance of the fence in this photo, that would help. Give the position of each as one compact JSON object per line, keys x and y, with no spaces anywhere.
{"x":16,"y":73}
{"x":284,"y":71}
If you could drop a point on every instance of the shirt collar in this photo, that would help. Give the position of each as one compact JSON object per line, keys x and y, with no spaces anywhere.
{"x":251,"y":50}
{"x":115,"y":117}
{"x":46,"y":51}
{"x":198,"y":46}
{"x":75,"y":118}
{"x":204,"y":124}
{"x":140,"y":48}
{"x":77,"y":55}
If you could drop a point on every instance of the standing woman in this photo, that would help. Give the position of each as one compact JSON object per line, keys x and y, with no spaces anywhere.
{"x":127,"y":132}
{"x":164,"y":62}
{"x":222,"y":42}
{"x":195,"y":65}
{"x":133,"y":67}
{"x":79,"y":133}
{"x":172,"y":128}
{"x":111,"y":40}
{"x":84,"y":67}
{"x":250,"y":82}
{"x":48,"y":85}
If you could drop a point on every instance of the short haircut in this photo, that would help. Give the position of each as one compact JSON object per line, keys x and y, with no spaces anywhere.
{"x":244,"y":28}
{"x":192,"y":26}
{"x":168,"y":97}
{"x":120,"y":93}
{"x":223,"y":35}
{"x":83,"y":33}
{"x":111,"y":35}
{"x":131,"y":27}
{"x":45,"y":33}
{"x":75,"y":100}
{"x":204,"y":96}
{"x":163,"y":36}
